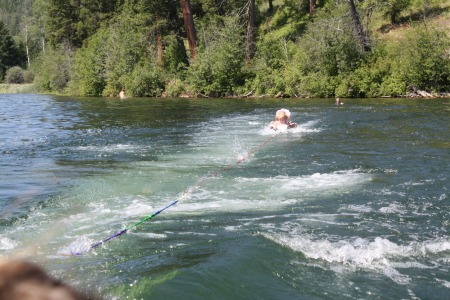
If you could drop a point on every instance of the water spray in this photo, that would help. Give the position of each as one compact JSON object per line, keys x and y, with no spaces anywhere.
{"x":192,"y":189}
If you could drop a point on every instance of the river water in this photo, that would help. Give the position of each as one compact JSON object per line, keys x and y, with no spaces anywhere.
{"x":352,"y":204}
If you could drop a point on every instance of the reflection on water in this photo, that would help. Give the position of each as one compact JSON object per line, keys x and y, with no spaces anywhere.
{"x":352,"y":204}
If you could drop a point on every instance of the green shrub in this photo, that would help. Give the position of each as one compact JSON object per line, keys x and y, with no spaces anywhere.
{"x":394,"y":85}
{"x":218,"y":68}
{"x":331,"y":47}
{"x":88,"y":71}
{"x":14,"y":75}
{"x":174,"y":88}
{"x":175,"y":58}
{"x":380,"y":76}
{"x":113,"y":58}
{"x":317,"y":85}
{"x":145,"y":81}
{"x":318,"y":64}
{"x":28,"y":76}
{"x":52,"y":69}
{"x":426,"y":59}
{"x":394,"y":8}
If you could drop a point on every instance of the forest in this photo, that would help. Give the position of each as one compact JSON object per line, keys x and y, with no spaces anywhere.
{"x":227,"y":48}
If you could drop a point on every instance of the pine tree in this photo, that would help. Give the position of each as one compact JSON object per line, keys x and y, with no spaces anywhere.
{"x":9,"y":53}
{"x":74,"y":21}
{"x":62,"y":21}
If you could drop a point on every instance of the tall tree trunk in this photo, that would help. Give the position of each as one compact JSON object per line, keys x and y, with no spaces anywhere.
{"x":27,"y":20}
{"x":363,"y":38}
{"x":160,"y":49}
{"x":159,"y":42}
{"x":39,"y":13}
{"x":43,"y":39}
{"x":189,"y":26}
{"x":26,"y":45}
{"x":250,"y":51}
{"x":312,"y":7}
{"x":270,"y":6}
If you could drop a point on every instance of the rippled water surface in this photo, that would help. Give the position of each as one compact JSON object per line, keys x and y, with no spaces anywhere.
{"x":352,"y":204}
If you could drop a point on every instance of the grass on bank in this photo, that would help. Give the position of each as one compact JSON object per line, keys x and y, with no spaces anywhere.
{"x":27,"y":88}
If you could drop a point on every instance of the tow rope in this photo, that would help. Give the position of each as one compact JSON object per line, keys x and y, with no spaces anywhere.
{"x":192,"y":189}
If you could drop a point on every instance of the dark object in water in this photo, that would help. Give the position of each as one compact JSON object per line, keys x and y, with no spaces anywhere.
{"x":22,"y":280}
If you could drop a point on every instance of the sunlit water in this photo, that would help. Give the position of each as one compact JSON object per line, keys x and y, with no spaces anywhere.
{"x":352,"y":204}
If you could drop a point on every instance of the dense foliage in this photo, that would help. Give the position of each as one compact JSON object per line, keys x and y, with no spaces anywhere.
{"x":10,"y":54}
{"x":300,"y":48}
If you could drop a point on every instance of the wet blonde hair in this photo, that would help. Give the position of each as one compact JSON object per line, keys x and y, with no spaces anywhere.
{"x":281,"y":114}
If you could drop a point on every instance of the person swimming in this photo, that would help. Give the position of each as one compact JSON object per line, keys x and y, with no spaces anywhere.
{"x":338,"y":101}
{"x":282,"y":120}
{"x":122,"y":94}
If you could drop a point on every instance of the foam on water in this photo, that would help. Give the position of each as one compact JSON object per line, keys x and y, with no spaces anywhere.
{"x":7,"y":243}
{"x":115,"y":213}
{"x":363,"y":208}
{"x":214,"y":130}
{"x":81,"y":245}
{"x":307,"y":127}
{"x":136,"y":208}
{"x":227,"y":197}
{"x":113,"y":148}
{"x":152,"y":235}
{"x":393,"y":208}
{"x":332,"y":180}
{"x":380,"y":254}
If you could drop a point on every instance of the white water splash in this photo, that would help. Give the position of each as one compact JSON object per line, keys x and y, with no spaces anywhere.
{"x":307,"y":127}
{"x":7,"y":243}
{"x":326,"y":181}
{"x":379,"y":255}
{"x":81,"y":245}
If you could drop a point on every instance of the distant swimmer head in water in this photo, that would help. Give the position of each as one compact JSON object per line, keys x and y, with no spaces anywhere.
{"x":282,"y":120}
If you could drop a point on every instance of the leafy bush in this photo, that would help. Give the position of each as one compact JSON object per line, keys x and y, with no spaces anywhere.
{"x":394,"y":8}
{"x":175,"y":58}
{"x":273,"y":68}
{"x":317,"y":85}
{"x":174,"y":88}
{"x":28,"y":76}
{"x":379,"y":74}
{"x":322,"y":60}
{"x":53,"y":69}
{"x":14,"y":75}
{"x":10,"y":54}
{"x":88,"y":71}
{"x":331,"y":46}
{"x":426,"y":59}
{"x":145,"y":81}
{"x":114,"y":58}
{"x":218,"y":68}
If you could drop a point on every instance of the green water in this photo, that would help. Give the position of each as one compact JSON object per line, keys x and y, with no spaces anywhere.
{"x":352,"y":204}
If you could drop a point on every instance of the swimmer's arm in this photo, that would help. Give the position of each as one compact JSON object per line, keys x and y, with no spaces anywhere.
{"x":273,"y":125}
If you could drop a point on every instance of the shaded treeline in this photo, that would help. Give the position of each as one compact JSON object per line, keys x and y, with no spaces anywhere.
{"x":226,"y":48}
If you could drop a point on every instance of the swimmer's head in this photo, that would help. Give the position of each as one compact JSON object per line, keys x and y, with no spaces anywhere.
{"x":283,"y":114}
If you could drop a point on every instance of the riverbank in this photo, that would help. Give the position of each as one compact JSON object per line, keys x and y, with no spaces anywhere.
{"x":30,"y":88}
{"x":415,"y":94}
{"x":26,"y":88}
